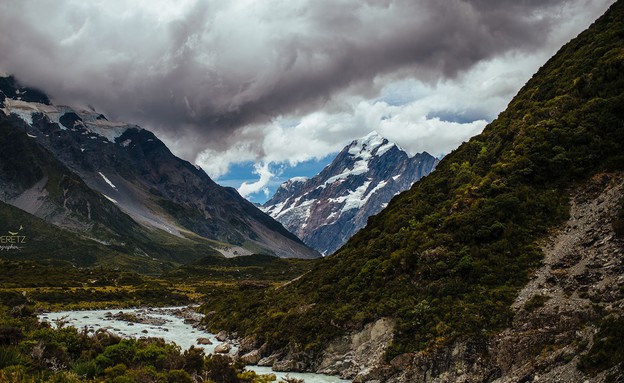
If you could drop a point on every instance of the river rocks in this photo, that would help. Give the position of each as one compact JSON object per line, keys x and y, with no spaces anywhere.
{"x":246,"y":345}
{"x":252,"y":357}
{"x":189,"y":315}
{"x":269,"y":360}
{"x":222,"y":336}
{"x":294,"y":364}
{"x":138,"y":317}
{"x":204,"y":341}
{"x":223,"y":348}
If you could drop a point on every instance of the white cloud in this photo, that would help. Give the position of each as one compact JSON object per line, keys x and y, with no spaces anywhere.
{"x":259,"y":186}
{"x":408,"y":112}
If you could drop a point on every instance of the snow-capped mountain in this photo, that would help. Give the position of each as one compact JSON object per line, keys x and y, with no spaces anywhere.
{"x":127,"y":174}
{"x":326,"y":210}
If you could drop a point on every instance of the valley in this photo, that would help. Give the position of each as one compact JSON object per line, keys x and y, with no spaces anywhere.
{"x":501,"y":261}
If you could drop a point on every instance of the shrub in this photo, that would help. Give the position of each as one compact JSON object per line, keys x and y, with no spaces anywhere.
{"x":10,"y":356}
{"x":87,"y":369}
{"x":179,"y":376}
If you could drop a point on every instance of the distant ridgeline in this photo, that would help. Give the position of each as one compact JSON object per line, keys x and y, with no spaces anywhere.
{"x":447,"y":258}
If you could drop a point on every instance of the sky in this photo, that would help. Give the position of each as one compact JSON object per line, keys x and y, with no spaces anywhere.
{"x":256,"y":92}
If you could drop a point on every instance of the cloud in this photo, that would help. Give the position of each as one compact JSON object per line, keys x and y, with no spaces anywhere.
{"x":419,"y":116}
{"x":204,"y":73}
{"x":265,"y":174}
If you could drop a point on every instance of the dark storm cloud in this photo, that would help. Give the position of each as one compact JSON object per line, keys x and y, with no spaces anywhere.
{"x":201,"y":72}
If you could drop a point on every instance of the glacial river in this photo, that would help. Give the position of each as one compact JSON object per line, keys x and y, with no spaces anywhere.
{"x":163,"y":323}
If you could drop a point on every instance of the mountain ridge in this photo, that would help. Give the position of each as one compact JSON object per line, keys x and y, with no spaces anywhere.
{"x":327,"y":209}
{"x":131,"y":171}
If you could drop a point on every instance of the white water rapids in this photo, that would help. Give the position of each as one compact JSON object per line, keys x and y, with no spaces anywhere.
{"x":163,"y":323}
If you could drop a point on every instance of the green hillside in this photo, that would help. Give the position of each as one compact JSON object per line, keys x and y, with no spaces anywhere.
{"x":447,"y":258}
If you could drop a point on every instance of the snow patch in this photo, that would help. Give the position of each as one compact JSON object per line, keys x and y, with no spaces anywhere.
{"x":360,"y":167}
{"x":383,"y":149}
{"x":358,"y":197}
{"x":110,"y":199}
{"x":30,"y":135}
{"x":91,"y":120}
{"x":298,"y":213}
{"x":108,"y":181}
{"x":298,"y":179}
{"x":26,"y":110}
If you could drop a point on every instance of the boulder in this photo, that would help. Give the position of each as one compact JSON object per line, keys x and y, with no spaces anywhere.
{"x":222,"y":336}
{"x":204,"y":341}
{"x":252,"y":357}
{"x":246,"y":345}
{"x":223,"y":348}
{"x":268,"y":361}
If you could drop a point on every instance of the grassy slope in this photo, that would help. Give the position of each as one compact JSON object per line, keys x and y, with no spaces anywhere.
{"x":447,"y":257}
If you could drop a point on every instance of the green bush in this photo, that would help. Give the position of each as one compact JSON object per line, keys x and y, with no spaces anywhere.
{"x":87,"y":369}
{"x":607,"y":350}
{"x":179,"y":376}
{"x":10,"y":356}
{"x":536,"y":302}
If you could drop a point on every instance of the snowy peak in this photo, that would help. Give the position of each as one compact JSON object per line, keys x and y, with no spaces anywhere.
{"x":29,"y":104}
{"x":373,"y":144}
{"x":326,"y":210}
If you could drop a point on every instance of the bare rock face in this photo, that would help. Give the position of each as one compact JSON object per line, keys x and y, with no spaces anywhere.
{"x":359,"y":355}
{"x":580,"y":281}
{"x":463,"y":361}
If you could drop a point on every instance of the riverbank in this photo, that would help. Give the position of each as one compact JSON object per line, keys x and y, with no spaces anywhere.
{"x":179,"y":325}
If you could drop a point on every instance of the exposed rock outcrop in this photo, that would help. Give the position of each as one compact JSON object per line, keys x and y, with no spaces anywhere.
{"x":358,"y":355}
{"x":580,"y":282}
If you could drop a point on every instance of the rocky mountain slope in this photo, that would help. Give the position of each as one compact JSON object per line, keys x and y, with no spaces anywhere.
{"x":119,"y":184}
{"x":326,"y":210}
{"x":504,"y":264}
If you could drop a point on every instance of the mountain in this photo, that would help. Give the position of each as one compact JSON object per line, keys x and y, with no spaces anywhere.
{"x":326,"y":210}
{"x":503,"y":265}
{"x":119,"y":185}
